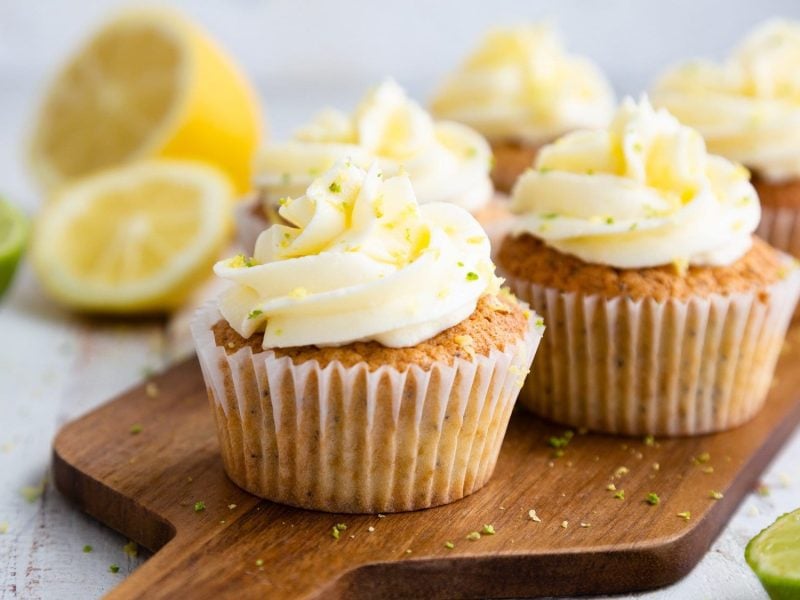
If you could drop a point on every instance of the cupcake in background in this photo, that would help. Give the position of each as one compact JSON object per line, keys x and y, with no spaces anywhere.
{"x":748,"y":109}
{"x":446,"y":161}
{"x":364,"y":359}
{"x":665,"y":314}
{"x":522,"y":90}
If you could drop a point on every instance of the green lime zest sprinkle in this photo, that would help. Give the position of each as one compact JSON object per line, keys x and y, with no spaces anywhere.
{"x":620,"y":495}
{"x":449,"y":545}
{"x":652,"y":499}
{"x":539,"y":322}
{"x":685,"y":515}
{"x":550,"y":215}
{"x":335,"y":532}
{"x":260,"y":562}
{"x":114,"y":568}
{"x":87,"y":548}
{"x":283,"y":201}
{"x":716,"y":495}
{"x":472,"y":276}
{"x":649,"y":440}
{"x":335,"y":187}
{"x":545,"y":169}
{"x":254,"y":313}
{"x":136,"y":429}
{"x":341,"y":526}
{"x":609,"y":220}
{"x":460,"y":263}
{"x":473,"y":536}
{"x":199,"y":506}
{"x":488,"y":530}
{"x":32,"y":493}
{"x":559,"y":443}
{"x":131,"y":549}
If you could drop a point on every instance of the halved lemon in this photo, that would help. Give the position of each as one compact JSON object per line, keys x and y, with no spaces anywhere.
{"x":134,"y":239}
{"x":147,"y":84}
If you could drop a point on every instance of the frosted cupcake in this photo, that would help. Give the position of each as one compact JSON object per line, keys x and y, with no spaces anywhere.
{"x":522,"y":90}
{"x":665,"y":315}
{"x":446,"y":161}
{"x":363,"y":359}
{"x":748,"y":109}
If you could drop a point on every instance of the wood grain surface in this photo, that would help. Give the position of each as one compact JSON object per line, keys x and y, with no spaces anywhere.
{"x":147,"y":484}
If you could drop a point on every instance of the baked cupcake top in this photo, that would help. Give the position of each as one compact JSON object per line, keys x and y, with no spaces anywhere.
{"x":521,"y":84}
{"x":447,"y":162}
{"x":747,"y":107}
{"x":642,"y":193}
{"x":361,"y":260}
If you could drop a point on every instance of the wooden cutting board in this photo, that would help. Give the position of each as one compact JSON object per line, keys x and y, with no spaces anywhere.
{"x":146,"y":485}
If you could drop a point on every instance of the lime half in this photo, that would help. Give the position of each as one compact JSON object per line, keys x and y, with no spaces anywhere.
{"x":774,"y":554}
{"x":13,"y":233}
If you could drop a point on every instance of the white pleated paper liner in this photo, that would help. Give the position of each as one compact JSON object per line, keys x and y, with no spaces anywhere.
{"x":780,"y":228}
{"x":667,"y":368}
{"x":346,"y":439}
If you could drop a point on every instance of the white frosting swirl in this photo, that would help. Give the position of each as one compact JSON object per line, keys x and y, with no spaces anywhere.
{"x":360,"y":261}
{"x":641,"y":194}
{"x":521,"y":84}
{"x":747,"y":108}
{"x":447,"y":162}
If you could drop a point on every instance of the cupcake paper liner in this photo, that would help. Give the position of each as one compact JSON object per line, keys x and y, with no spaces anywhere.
{"x":780,"y":227}
{"x":664,"y":368}
{"x":347,"y":439}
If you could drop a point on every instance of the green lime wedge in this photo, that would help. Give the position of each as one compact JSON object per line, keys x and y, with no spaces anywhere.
{"x":774,"y":554}
{"x":13,"y":234}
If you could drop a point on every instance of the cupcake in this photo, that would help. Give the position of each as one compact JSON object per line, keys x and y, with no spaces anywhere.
{"x":522,"y":90}
{"x":363,"y":360}
{"x":748,"y":110}
{"x":665,"y":314}
{"x":446,"y":161}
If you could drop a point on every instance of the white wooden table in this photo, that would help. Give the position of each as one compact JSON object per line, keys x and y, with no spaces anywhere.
{"x":55,"y":367}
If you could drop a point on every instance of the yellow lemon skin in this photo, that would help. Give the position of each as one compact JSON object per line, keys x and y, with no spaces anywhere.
{"x":147,"y":84}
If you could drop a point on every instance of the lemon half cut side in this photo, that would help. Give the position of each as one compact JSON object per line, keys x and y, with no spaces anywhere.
{"x":135,"y":239}
{"x":147,"y":84}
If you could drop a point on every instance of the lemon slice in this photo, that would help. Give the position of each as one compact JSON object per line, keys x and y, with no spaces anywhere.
{"x":147,"y":84}
{"x":774,"y":554}
{"x":13,"y":233}
{"x":133,"y":239}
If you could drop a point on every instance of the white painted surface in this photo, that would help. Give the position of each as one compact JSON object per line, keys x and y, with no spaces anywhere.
{"x":301,"y":54}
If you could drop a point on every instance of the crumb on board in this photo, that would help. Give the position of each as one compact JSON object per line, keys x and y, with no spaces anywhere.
{"x":131,"y":549}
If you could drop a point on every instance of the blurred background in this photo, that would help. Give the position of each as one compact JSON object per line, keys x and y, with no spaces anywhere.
{"x":300,"y":55}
